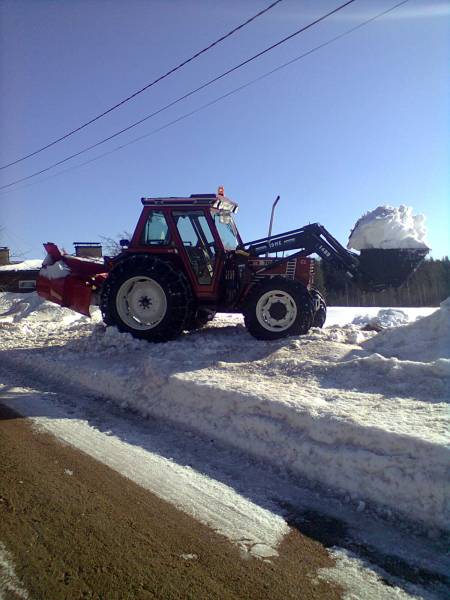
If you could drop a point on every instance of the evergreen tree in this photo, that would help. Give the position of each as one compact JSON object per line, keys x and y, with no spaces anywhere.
{"x":428,"y":286}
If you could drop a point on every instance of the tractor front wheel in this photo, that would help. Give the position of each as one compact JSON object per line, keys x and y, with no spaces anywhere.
{"x":277,"y":308}
{"x":147,"y":297}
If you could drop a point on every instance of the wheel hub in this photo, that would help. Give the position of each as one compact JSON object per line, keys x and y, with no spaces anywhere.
{"x":145,"y":302}
{"x":141,"y":303}
{"x":276,"y":310}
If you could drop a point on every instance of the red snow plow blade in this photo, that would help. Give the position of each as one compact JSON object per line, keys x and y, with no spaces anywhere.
{"x":70,"y":281}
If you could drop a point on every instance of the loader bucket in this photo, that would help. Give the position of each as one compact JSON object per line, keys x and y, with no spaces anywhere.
{"x":380,"y":269}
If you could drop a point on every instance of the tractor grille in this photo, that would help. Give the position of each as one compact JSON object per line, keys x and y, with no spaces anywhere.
{"x":291,"y":267}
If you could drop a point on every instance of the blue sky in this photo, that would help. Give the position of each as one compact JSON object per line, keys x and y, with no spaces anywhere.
{"x":360,"y":123}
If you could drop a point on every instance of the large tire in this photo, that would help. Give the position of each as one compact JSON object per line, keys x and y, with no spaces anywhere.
{"x":277,"y":308}
{"x":147,"y":297}
{"x":320,"y":308}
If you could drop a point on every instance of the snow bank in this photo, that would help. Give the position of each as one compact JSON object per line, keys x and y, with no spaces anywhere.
{"x":388,"y":227}
{"x":385,"y":318}
{"x":361,"y":315}
{"x":427,"y":339}
{"x":31,"y":309}
{"x":361,"y":581}
{"x":22,"y":266}
{"x":319,"y":406}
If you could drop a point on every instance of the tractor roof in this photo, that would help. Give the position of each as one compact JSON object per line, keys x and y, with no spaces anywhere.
{"x":212,"y":200}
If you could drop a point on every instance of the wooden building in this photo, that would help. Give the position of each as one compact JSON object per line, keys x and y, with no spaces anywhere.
{"x":19,"y":277}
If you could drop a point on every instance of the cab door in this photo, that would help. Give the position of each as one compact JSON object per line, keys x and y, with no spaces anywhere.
{"x":199,"y":246}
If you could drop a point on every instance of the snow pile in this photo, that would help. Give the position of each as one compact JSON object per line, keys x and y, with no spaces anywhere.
{"x":342,"y":315}
{"x":388,"y":227}
{"x":386,"y":318}
{"x":18,"y":306}
{"x":320,"y":406}
{"x":57,"y":270}
{"x":427,"y":339}
{"x":30,"y":308}
{"x":423,"y":379}
{"x":361,"y":581}
{"x":26,"y":265}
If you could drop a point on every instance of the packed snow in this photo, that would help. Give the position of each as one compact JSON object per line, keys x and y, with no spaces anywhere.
{"x":362,"y":582}
{"x":364,"y":315}
{"x":385,"y":318}
{"x":241,"y":430}
{"x":387,"y":227}
{"x":10,"y":585}
{"x":425,"y":340}
{"x":55,"y":270}
{"x":324,"y":406}
{"x":25,"y":265}
{"x":29,"y":310}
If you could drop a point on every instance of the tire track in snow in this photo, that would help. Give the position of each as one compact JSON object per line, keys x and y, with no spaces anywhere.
{"x":9,"y":582}
{"x":254,"y":529}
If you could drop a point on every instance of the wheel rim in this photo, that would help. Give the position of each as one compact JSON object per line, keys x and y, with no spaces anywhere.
{"x":276,"y":310}
{"x":141,"y":303}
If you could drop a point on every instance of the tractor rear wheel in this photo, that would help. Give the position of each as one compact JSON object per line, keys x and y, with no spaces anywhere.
{"x":147,"y":297}
{"x":320,"y":308}
{"x":277,"y":308}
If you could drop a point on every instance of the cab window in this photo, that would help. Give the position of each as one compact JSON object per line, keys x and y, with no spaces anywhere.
{"x":156,"y":230}
{"x":198,"y":242}
{"x":226,"y":230}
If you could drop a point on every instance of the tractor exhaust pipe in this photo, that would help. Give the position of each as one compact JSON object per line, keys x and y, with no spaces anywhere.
{"x":272,"y":213}
{"x":271,"y":218}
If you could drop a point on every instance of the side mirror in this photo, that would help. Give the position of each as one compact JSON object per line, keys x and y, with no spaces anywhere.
{"x":124,"y":243}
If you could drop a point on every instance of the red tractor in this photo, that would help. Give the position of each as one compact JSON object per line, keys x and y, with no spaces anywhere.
{"x":186,"y":261}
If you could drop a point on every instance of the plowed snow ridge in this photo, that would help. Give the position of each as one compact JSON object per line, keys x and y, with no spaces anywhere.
{"x":321,"y":406}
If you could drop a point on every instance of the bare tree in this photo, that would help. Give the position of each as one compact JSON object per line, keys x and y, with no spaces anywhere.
{"x":111,"y":246}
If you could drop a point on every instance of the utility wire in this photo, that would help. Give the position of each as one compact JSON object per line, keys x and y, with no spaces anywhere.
{"x":223,"y":96}
{"x":146,"y":87}
{"x":191,"y":93}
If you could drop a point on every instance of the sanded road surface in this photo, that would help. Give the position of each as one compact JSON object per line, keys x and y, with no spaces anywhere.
{"x":74,"y":528}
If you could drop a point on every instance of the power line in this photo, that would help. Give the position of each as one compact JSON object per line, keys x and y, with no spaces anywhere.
{"x":184,"y":97}
{"x":146,"y":87}
{"x":223,"y":96}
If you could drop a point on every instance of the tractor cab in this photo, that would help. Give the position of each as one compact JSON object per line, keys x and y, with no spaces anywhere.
{"x":199,"y":229}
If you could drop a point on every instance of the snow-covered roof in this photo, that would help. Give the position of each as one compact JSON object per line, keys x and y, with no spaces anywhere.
{"x":26,"y":265}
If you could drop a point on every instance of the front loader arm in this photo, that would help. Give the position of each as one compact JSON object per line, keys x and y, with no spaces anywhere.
{"x":371,"y":270}
{"x":311,"y":239}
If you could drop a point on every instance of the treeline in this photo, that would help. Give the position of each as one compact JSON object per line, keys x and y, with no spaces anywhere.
{"x":428,"y":286}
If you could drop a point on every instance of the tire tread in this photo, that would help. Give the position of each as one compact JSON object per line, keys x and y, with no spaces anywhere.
{"x":174,"y":283}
